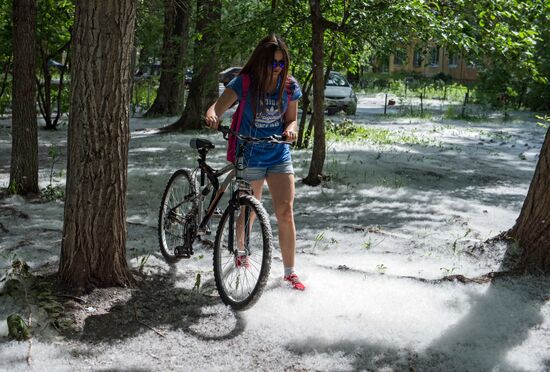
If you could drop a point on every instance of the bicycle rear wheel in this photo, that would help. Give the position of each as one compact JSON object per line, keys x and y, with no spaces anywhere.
{"x":177,"y":226}
{"x":242,"y":259}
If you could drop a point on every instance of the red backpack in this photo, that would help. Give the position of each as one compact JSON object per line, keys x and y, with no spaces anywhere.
{"x":238,"y":116}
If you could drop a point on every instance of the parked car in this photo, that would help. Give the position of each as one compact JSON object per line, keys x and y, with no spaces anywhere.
{"x":228,"y":74}
{"x":339,"y":95}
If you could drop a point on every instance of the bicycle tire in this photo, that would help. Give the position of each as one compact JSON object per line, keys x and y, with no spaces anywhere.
{"x":171,"y":240}
{"x":224,"y":266}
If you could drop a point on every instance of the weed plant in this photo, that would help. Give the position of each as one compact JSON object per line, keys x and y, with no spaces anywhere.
{"x":544,"y":121}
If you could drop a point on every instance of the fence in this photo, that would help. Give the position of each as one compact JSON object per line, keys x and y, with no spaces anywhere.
{"x":451,"y":101}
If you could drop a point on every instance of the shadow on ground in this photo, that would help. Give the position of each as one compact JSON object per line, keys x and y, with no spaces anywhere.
{"x":158,"y":305}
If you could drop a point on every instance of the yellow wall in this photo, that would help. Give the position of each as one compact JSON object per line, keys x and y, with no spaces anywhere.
{"x":461,"y":71}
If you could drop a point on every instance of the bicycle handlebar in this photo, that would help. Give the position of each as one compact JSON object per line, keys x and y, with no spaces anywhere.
{"x":271,"y":139}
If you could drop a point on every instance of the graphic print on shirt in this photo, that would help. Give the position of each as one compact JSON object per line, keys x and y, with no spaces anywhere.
{"x":271,"y":117}
{"x":267,"y":123}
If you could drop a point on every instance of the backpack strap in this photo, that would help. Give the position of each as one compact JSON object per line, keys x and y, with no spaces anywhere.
{"x":288,"y":89}
{"x":237,"y":118}
{"x":288,"y":94}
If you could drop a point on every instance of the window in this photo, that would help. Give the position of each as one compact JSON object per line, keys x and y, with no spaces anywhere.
{"x":385,"y":65}
{"x":400,"y":57}
{"x":417,"y":58}
{"x":453,"y":60}
{"x":434,"y":57}
{"x":471,"y":64}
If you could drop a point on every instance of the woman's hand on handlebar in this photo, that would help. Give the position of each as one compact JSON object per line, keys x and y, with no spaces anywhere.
{"x":215,"y":112}
{"x":290,"y":135}
{"x":211,"y":119}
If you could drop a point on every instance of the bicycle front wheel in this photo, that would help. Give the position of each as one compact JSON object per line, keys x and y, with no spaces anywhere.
{"x":242,"y":253}
{"x":177,"y":225}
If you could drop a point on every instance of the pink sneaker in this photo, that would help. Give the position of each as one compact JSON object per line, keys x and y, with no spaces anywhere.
{"x":242,"y":261}
{"x":295,"y":282}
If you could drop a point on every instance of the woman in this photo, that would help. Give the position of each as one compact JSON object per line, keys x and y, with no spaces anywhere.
{"x":270,"y":107}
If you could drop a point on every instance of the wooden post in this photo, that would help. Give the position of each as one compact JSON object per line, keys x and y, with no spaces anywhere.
{"x":421,"y":105}
{"x":465,"y":102}
{"x":385,"y":103}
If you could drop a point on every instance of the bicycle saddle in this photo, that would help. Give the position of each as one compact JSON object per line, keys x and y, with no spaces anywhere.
{"x":201,"y":144}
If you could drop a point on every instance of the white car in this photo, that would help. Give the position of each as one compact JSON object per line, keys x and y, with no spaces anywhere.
{"x":339,"y":95}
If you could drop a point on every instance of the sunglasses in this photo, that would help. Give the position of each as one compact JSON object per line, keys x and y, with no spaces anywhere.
{"x":280,"y":64}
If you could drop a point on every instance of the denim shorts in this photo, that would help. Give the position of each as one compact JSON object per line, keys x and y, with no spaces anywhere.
{"x":260,"y":173}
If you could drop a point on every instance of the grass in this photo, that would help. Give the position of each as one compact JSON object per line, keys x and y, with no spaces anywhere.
{"x":347,"y":131}
{"x":395,"y":183}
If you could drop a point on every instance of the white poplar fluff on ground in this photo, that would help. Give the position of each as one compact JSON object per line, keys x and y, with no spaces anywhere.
{"x":413,"y":208}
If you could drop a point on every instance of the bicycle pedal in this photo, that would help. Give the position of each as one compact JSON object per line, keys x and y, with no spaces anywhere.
{"x":205,"y":231}
{"x":182,"y":252}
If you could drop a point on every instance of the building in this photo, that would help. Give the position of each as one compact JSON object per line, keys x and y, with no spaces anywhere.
{"x":430,"y":61}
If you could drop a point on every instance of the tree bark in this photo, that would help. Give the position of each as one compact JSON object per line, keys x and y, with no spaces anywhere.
{"x":314,"y":176}
{"x":205,"y":71}
{"x":169,"y":100}
{"x":532,"y":228}
{"x":24,"y":151}
{"x":94,"y":233}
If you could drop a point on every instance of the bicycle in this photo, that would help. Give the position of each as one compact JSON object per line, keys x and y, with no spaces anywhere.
{"x":242,"y":248}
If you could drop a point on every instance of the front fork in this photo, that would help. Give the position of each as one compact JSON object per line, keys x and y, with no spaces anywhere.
{"x":243,"y":188}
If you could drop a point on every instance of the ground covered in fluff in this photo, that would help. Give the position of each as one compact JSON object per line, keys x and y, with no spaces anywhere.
{"x":407,"y":201}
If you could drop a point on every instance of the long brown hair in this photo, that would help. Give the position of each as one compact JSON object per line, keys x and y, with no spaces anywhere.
{"x":259,"y":67}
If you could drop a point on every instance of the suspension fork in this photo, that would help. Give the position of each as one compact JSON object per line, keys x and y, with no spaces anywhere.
{"x":244,"y":214}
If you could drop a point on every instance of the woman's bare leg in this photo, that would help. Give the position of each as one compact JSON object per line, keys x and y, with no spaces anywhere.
{"x":281,"y":187}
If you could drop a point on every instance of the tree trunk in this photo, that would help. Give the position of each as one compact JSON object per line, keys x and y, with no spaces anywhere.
{"x":205,"y":70}
{"x":5,"y":72}
{"x":24,"y":151}
{"x":314,"y":176}
{"x":169,"y":100}
{"x":45,"y":90}
{"x":45,"y":99}
{"x":309,"y":130}
{"x":532,"y":228}
{"x":305,"y":107}
{"x":93,"y":252}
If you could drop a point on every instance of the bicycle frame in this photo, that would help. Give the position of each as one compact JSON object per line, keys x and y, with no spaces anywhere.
{"x":233,"y":172}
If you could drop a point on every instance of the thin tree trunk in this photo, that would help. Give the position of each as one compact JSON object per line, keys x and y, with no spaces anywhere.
{"x":45,"y":102}
{"x":44,"y":90}
{"x":6,"y":70}
{"x":169,"y":100}
{"x":24,"y":151}
{"x":205,"y":74}
{"x":305,"y":107}
{"x":60,"y":89}
{"x":309,"y":130}
{"x":532,"y":228}
{"x":314,"y":176}
{"x":93,"y":252}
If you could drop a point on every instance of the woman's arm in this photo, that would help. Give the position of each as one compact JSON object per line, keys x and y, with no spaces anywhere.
{"x":218,"y":108}
{"x":291,"y":121}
